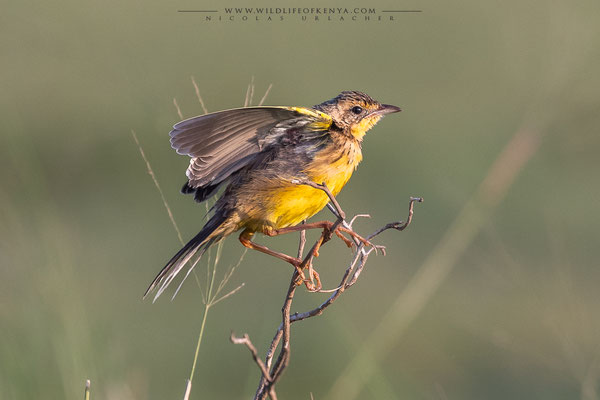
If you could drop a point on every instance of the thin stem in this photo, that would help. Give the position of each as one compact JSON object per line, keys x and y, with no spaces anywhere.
{"x":177,"y":108}
{"x":261,"y":102}
{"x":162,"y":196}
{"x":231,"y":293}
{"x":200,"y":335}
{"x":198,"y":95}
{"x":251,"y":91}
{"x":86,"y":395}
{"x":210,"y":302}
{"x":188,"y":389}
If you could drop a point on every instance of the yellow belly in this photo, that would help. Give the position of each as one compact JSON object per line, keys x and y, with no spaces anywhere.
{"x":291,"y":204}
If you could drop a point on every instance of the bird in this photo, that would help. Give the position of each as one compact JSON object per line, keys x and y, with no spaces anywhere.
{"x":259,"y":154}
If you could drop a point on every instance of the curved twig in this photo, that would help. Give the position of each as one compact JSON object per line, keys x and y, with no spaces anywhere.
{"x":272,"y":372}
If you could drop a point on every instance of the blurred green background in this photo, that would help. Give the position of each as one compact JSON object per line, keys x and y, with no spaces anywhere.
{"x":83,"y":229}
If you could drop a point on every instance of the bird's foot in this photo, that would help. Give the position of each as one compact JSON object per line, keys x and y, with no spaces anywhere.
{"x":313,"y":283}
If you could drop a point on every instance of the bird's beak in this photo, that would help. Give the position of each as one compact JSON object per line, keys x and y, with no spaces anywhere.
{"x":386,"y":109}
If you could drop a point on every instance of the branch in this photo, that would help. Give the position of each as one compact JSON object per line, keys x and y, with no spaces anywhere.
{"x":246,"y":341}
{"x":271,"y":373}
{"x":359,"y":255}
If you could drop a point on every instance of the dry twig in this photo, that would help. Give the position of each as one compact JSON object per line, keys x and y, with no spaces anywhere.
{"x":272,"y":372}
{"x":246,"y":340}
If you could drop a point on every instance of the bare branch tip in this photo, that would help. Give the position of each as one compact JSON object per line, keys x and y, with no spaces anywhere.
{"x":378,"y":248}
{"x":238,"y":340}
{"x":358,"y":216}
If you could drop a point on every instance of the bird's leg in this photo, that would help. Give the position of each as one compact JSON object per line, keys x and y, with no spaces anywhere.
{"x":314,"y":282}
{"x":246,"y":240}
{"x":326,"y":226}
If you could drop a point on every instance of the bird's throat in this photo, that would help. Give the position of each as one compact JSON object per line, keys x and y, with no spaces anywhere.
{"x":359,"y":129}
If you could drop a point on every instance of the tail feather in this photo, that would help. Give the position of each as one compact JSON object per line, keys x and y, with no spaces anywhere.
{"x":198,"y":244}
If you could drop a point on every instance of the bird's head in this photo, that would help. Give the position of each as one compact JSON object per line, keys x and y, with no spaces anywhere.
{"x":355,"y":112}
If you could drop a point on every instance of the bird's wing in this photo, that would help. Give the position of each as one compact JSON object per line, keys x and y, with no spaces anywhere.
{"x":221,"y":143}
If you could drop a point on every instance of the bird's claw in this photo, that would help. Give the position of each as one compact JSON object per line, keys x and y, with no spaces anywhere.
{"x":313,"y":284}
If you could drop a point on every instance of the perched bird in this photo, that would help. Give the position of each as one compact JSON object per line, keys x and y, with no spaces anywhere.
{"x":261,"y":153}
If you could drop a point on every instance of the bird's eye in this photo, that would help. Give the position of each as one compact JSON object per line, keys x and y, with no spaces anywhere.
{"x":357,"y":109}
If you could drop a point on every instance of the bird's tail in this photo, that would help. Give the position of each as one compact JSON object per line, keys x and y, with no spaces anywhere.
{"x":209,"y":234}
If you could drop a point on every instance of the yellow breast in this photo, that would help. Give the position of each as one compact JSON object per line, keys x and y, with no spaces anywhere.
{"x":291,"y":204}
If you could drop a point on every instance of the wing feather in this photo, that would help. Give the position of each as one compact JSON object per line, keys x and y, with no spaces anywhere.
{"x":223,"y":142}
{"x":202,"y":135}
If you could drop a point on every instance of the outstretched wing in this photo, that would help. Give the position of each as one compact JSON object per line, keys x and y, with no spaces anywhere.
{"x":221,"y":143}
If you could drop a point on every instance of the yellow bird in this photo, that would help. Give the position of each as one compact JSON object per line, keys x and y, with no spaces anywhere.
{"x":261,"y":153}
